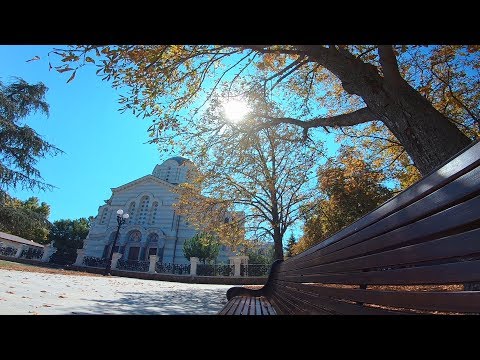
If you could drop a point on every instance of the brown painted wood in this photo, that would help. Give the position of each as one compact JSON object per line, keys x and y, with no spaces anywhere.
{"x":227,"y":307}
{"x":251,"y":310}
{"x":460,"y":272}
{"x":333,"y":305}
{"x":455,"y":301}
{"x":451,"y":170}
{"x":279,"y":304}
{"x":246,"y":306}
{"x":234,"y":304}
{"x":460,"y":245}
{"x":269,"y":306}
{"x":241,"y":304}
{"x":304,"y":302}
{"x":293,"y":303}
{"x":258,"y":307}
{"x":266,"y":306}
{"x":434,"y":226}
{"x":457,"y":191}
{"x":379,"y":231}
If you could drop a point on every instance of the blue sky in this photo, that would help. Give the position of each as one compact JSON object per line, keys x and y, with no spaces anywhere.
{"x":103,"y":148}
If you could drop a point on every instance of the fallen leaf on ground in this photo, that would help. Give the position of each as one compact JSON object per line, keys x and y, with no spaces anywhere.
{"x":62,"y":296}
{"x":10,"y":292}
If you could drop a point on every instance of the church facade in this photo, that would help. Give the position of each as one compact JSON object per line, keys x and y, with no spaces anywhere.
{"x":153,"y":227}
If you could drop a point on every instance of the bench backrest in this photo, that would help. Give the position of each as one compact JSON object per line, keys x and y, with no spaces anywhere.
{"x":413,"y":254}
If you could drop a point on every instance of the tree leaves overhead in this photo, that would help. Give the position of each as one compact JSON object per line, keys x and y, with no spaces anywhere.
{"x":312,"y":85}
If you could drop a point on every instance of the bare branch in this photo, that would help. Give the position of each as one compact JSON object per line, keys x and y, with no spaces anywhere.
{"x":354,"y":118}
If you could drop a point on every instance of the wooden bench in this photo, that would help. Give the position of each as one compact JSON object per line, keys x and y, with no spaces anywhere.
{"x":417,"y":253}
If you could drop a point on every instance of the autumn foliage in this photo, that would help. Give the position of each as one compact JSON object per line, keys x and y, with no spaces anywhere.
{"x":350,"y":188}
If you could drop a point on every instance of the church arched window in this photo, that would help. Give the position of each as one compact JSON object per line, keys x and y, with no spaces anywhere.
{"x":103,"y":218}
{"x":143,"y":210}
{"x":131,"y":212}
{"x":152,"y":237}
{"x":153,"y":212}
{"x":135,"y":236}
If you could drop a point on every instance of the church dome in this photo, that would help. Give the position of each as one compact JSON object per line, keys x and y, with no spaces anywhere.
{"x":179,"y":159}
{"x":173,"y":170}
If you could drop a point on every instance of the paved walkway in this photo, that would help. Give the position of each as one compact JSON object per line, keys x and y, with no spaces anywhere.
{"x":39,"y":294}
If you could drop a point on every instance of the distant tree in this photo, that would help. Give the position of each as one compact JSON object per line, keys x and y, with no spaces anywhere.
{"x":350,"y":189}
{"x":261,"y":254}
{"x":20,"y":145}
{"x":265,"y":174}
{"x":27,"y":219}
{"x":20,"y":149}
{"x":68,"y":236}
{"x":204,"y":246}
{"x":289,"y":247}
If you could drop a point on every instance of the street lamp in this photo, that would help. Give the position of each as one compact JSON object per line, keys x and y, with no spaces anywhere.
{"x":121,"y":218}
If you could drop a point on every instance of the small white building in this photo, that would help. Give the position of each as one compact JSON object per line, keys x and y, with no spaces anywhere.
{"x":153,"y":227}
{"x":18,"y":243}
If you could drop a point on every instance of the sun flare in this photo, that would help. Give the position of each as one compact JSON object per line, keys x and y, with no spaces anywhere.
{"x":235,"y":110}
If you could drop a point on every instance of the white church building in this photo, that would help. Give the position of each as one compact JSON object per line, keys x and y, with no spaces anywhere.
{"x":153,"y":227}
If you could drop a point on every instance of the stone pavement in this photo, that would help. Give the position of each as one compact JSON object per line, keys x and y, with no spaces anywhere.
{"x":42,"y":294}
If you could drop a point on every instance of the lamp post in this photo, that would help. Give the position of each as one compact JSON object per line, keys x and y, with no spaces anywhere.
{"x":121,"y":218}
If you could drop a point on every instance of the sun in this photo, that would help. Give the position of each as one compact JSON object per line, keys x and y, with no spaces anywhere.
{"x":235,"y":110}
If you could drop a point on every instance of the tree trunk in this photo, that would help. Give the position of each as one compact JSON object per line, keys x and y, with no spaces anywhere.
{"x":427,"y":136}
{"x":278,"y":243}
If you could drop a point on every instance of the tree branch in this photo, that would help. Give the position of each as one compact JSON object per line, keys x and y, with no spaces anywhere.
{"x":389,"y":64}
{"x":354,"y":118}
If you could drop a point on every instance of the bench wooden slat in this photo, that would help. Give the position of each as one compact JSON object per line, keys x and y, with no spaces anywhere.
{"x":468,"y":271}
{"x":228,"y":306}
{"x":279,"y":304}
{"x":448,"y":301}
{"x":439,"y":224}
{"x":448,"y":247}
{"x":246,"y":305}
{"x":241,"y":305}
{"x":306,"y":306}
{"x":266,"y":306}
{"x":444,"y":198}
{"x":329,"y":305}
{"x":251,"y":307}
{"x":258,"y":307}
{"x":234,"y":308}
{"x":293,"y":304}
{"x":461,"y":164}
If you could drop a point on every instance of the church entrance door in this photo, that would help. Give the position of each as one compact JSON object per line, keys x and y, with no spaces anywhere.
{"x":133,"y":253}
